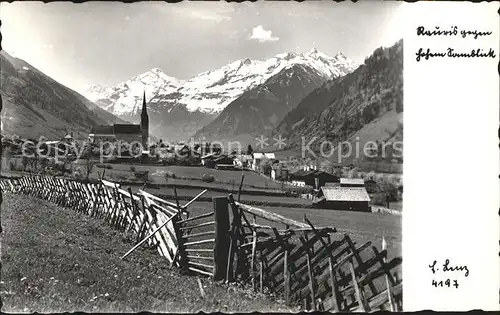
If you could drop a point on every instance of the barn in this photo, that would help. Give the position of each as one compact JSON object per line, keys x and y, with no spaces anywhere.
{"x":314,"y":178}
{"x":223,"y":162}
{"x":343,"y":198}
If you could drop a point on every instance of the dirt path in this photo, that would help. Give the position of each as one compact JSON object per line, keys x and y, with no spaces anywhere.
{"x":56,"y":260}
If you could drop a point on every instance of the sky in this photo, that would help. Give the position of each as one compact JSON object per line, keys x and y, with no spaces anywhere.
{"x":110,"y":42}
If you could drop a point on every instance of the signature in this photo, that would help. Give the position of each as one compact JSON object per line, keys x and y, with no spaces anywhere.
{"x":447,"y":267}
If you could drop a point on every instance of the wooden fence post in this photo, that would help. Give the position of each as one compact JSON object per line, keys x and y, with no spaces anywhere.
{"x":286,"y":278}
{"x":234,"y":236}
{"x":221,"y":246}
{"x":311,"y":282}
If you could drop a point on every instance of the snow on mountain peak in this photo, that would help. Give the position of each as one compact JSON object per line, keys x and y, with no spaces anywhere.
{"x":125,"y":98}
{"x":211,"y":91}
{"x":314,"y":50}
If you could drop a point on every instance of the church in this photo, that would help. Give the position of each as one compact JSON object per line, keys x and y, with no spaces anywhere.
{"x":124,"y":132}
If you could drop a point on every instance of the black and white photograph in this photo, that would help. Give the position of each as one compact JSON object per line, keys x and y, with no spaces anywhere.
{"x":216,"y":157}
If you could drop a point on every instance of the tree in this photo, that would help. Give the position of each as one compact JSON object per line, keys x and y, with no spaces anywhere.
{"x":249,"y":150}
{"x":24,"y":162}
{"x":358,"y":119}
{"x":399,"y":106}
{"x":367,"y":115}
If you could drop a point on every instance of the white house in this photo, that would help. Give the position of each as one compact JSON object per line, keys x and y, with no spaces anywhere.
{"x":255,"y":162}
{"x":242,"y":160}
{"x":270,"y":156}
{"x":273,"y":174}
{"x":298,"y":183}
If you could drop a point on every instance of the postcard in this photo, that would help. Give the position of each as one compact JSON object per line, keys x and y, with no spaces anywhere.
{"x":239,"y":157}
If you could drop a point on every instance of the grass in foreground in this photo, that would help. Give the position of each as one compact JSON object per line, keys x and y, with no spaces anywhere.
{"x":56,"y":260}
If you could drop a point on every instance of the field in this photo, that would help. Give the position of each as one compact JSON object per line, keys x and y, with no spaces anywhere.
{"x":185,"y":174}
{"x":56,"y":260}
{"x":361,"y":227}
{"x":244,"y":197}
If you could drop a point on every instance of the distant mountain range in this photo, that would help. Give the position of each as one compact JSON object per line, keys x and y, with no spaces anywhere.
{"x":34,"y":104}
{"x":182,"y":108}
{"x":289,"y":95}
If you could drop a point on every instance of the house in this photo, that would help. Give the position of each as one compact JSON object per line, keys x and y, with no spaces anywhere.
{"x":68,"y":138}
{"x":371,"y":186}
{"x":322,"y":177}
{"x":314,"y":177}
{"x":275,"y":173}
{"x":242,"y":160}
{"x":182,"y":150}
{"x":224,"y":162}
{"x":343,"y":198}
{"x":207,"y":159}
{"x":279,"y":173}
{"x":124,"y":132}
{"x":352,"y":182}
{"x":270,"y":156}
{"x":211,"y":148}
{"x":256,"y":160}
{"x":303,"y":177}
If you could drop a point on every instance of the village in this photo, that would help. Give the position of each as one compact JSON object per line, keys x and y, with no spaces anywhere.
{"x":193,"y":204}
{"x":321,"y":185}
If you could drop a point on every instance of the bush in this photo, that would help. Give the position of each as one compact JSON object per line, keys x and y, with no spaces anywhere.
{"x":169,"y":161}
{"x":132,"y":179}
{"x":389,"y":189}
{"x":117,"y":176}
{"x":208,"y":178}
{"x":169,"y":174}
{"x":132,"y":168}
{"x":144,"y":175}
{"x":78,"y":174}
{"x":379,"y":199}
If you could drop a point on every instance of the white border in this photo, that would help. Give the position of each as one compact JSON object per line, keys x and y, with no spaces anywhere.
{"x":451,"y":167}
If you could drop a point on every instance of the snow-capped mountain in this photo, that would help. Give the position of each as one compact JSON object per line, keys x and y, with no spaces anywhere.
{"x":179,"y":108}
{"x":211,"y":91}
{"x":259,"y":110}
{"x":125,"y":99}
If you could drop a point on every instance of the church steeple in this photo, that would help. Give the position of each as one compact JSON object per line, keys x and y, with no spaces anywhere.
{"x":144,"y":109}
{"x":144,"y":123}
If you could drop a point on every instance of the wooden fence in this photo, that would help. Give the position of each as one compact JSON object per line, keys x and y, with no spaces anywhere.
{"x":312,"y":266}
{"x":316,"y":267}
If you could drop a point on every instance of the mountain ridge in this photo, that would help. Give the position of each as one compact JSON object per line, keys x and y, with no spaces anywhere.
{"x":340,"y":108}
{"x":182,"y":110}
{"x":34,"y":104}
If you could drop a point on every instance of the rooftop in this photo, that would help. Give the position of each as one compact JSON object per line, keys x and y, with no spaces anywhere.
{"x":206,"y":156}
{"x":126,"y":128}
{"x":352,"y":181}
{"x":102,"y":130}
{"x":345,"y":193}
{"x":258,"y":155}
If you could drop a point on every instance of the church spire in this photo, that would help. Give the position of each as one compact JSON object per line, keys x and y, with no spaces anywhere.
{"x":144,"y":110}
{"x":144,"y":122}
